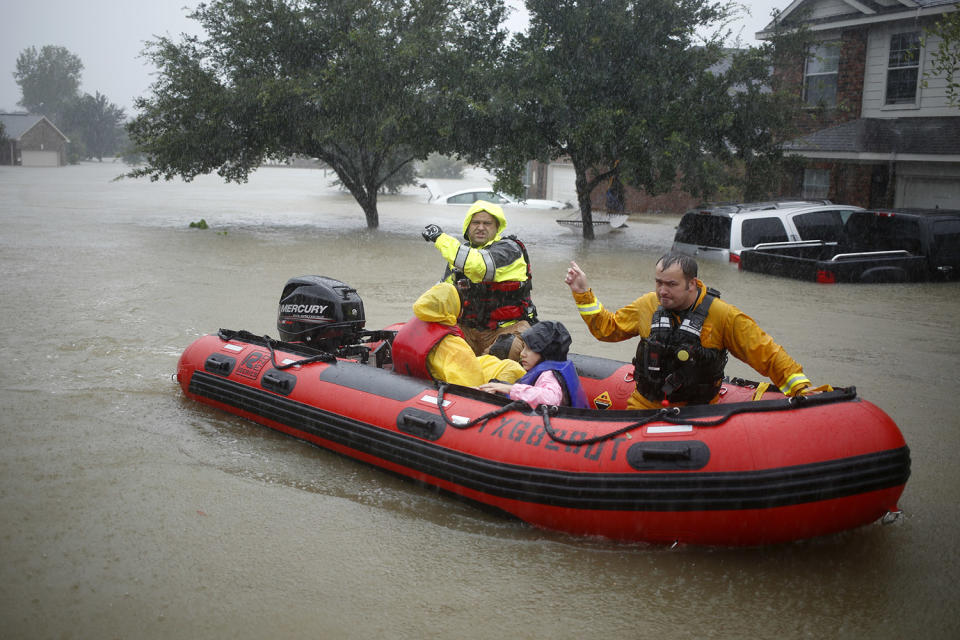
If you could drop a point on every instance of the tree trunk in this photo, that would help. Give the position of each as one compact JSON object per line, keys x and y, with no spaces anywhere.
{"x":368,"y":202}
{"x":583,"y":200}
{"x":365,"y":197}
{"x":353,"y":180}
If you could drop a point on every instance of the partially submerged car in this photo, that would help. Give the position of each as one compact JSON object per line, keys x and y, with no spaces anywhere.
{"x":721,"y":232}
{"x":469,"y":196}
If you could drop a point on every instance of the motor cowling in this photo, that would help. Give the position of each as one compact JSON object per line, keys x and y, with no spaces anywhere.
{"x":321,"y":312}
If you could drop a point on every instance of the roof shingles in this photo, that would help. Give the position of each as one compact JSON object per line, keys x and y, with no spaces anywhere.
{"x":927,"y":136}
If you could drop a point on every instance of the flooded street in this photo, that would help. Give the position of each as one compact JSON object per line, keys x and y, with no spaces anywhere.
{"x":127,"y":511}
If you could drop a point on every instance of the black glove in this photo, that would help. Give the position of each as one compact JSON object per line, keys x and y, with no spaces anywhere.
{"x":431,"y":232}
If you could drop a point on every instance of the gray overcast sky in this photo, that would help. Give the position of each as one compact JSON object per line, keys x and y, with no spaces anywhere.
{"x":108,"y":36}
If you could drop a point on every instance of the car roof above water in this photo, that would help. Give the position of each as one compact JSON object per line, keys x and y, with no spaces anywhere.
{"x":730,"y":208}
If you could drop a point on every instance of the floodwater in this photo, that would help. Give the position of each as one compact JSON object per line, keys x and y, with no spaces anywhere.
{"x":127,"y":511}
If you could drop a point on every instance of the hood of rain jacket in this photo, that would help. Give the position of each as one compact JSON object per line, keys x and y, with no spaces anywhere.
{"x":493,"y":209}
{"x":440,"y":303}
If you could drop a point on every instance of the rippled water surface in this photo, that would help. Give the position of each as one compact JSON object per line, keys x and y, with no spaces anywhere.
{"x":127,"y":511}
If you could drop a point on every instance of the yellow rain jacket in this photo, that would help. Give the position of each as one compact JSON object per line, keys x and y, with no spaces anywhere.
{"x":452,"y":360}
{"x":499,"y":294}
{"x":726,"y":327}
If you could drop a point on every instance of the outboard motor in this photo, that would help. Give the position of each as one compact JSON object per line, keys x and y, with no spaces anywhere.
{"x":321,"y":312}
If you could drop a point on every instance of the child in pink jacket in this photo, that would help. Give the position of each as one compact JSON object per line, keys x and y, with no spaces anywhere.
{"x":551,"y":379}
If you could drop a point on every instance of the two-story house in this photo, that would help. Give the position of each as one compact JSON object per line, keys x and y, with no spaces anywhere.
{"x":878,"y":129}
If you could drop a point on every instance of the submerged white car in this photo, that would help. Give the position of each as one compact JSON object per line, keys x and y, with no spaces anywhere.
{"x":469,"y":196}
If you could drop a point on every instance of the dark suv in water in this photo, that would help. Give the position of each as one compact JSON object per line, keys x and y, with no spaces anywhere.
{"x":882,"y":245}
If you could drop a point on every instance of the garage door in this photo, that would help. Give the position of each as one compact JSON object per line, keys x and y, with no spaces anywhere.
{"x":929,"y":193}
{"x":39,"y":158}
{"x":562,"y":183}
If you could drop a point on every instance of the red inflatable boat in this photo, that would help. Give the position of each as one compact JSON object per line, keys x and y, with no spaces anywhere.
{"x":745,"y":471}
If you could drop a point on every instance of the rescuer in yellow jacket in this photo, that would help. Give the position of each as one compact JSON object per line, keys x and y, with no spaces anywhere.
{"x":431,"y":345}
{"x":492,"y":272}
{"x":686,"y":331}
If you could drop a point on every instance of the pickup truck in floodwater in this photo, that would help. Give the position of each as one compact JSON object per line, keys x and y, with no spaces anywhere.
{"x":891,"y":245}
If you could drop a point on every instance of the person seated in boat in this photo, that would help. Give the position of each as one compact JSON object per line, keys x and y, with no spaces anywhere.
{"x":493,"y":274}
{"x":431,"y":346}
{"x":550,"y":378}
{"x":685,"y":331}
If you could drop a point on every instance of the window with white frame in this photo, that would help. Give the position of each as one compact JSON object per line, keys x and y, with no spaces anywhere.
{"x":816,"y":184}
{"x":903,"y":68}
{"x":820,"y":75}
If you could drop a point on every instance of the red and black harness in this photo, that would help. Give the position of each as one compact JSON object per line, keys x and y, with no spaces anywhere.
{"x":488,"y":305}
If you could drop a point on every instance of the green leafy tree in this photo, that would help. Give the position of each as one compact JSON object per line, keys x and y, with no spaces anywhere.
{"x":96,"y":123}
{"x":618,"y":87}
{"x":49,"y":79}
{"x":761,"y":110}
{"x":366,"y":86}
{"x":406,"y":174}
{"x":945,"y":60}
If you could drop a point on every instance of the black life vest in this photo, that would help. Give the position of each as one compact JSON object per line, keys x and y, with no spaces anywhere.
{"x":488,"y":305}
{"x":673,"y":364}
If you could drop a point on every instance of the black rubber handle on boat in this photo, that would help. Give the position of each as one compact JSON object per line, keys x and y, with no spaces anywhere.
{"x":421,"y":424}
{"x":669,"y":455}
{"x":416,"y":421}
{"x":682,"y":453}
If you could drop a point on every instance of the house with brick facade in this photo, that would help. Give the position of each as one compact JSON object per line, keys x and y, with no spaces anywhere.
{"x":878,"y":129}
{"x":556,"y":180}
